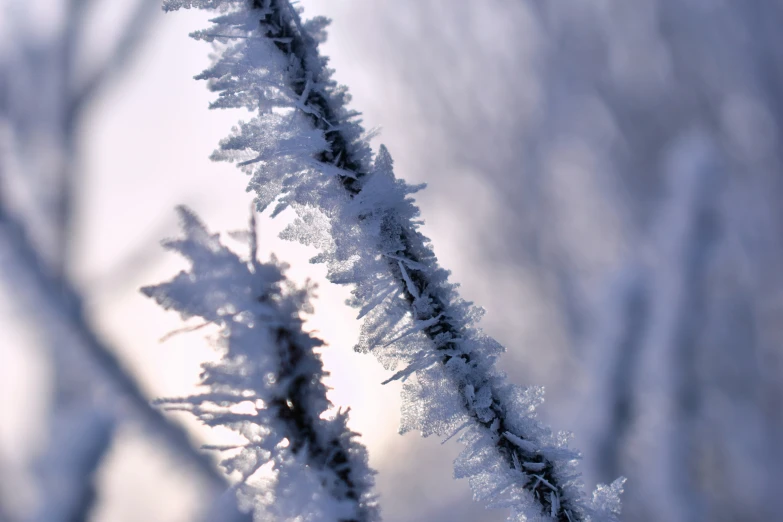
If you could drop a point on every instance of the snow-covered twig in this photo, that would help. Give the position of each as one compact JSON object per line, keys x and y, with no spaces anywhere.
{"x":267,"y":386}
{"x":366,"y":225}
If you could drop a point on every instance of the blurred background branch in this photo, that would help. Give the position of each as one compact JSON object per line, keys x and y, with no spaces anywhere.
{"x":48,"y":85}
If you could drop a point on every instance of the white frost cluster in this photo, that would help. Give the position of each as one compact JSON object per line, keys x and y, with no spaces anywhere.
{"x":294,"y":462}
{"x":304,"y":149}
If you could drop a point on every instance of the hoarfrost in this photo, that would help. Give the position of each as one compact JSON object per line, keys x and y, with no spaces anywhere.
{"x":267,"y":386}
{"x":305,"y":150}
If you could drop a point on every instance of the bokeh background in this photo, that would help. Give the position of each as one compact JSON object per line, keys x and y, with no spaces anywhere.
{"x":604,"y":178}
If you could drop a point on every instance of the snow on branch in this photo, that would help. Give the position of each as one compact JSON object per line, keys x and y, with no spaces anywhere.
{"x":306,"y":150}
{"x":267,"y":385}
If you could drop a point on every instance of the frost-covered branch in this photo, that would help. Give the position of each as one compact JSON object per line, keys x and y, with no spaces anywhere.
{"x":267,"y":385}
{"x":306,"y":150}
